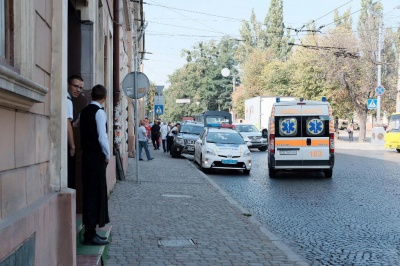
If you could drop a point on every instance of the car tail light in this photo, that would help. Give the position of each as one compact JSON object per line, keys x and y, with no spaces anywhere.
{"x":272,"y":143}
{"x":331,"y":142}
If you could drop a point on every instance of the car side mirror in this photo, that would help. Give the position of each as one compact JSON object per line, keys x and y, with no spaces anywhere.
{"x":264,"y":133}
{"x":248,"y":143}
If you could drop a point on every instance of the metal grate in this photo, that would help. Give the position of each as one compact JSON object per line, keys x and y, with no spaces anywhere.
{"x":176,"y":196}
{"x":175,"y":242}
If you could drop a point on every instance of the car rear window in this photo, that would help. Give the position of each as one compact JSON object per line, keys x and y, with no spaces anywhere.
{"x":302,"y":126}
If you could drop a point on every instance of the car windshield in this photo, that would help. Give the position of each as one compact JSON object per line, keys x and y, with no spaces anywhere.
{"x":225,"y":138}
{"x":394,"y":124}
{"x":191,"y":129}
{"x":246,"y":128}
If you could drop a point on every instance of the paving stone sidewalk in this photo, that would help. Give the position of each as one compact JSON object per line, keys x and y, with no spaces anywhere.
{"x":176,"y":215}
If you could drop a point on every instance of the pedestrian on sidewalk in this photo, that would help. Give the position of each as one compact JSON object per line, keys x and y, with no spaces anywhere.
{"x":143,"y":141}
{"x":155,"y":135}
{"x":164,"y":131}
{"x":171,"y":135}
{"x":350,"y":130}
{"x":95,"y":158}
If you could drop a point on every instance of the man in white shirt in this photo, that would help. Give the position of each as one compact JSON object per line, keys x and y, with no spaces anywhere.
{"x":143,"y":141}
{"x":164,"y":131}
{"x":171,"y":135}
{"x":95,"y":158}
{"x":75,"y":86}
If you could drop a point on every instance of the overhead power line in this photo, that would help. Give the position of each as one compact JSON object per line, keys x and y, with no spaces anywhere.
{"x":192,"y":11}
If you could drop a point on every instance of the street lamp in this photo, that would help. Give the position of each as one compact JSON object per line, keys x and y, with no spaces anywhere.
{"x":225,"y":72}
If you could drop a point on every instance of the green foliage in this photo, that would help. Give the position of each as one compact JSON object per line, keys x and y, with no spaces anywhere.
{"x":201,"y":81}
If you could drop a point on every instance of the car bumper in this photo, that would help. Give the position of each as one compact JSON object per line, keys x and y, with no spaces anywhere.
{"x":258,"y":145}
{"x":235,"y":163}
{"x":188,"y":149}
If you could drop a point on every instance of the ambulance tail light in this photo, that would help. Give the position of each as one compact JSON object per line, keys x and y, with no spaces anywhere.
{"x":331,"y":143}
{"x":271,"y":143}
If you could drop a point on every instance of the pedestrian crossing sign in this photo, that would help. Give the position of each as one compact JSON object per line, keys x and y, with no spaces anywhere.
{"x":159,"y":109}
{"x":372,"y":104}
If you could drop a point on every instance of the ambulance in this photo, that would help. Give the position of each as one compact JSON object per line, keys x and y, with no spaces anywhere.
{"x":301,"y":137}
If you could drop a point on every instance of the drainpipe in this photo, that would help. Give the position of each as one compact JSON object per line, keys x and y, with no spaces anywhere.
{"x":116,"y":72}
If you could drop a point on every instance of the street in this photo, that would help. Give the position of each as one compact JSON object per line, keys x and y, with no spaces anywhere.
{"x":350,"y":219}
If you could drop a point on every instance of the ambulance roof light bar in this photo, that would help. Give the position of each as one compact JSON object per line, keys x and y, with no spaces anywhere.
{"x":323,"y":99}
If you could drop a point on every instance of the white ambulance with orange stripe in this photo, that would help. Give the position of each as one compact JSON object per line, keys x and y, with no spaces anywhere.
{"x":301,"y":137}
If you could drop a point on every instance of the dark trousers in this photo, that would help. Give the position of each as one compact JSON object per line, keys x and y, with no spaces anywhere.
{"x":156,"y":144}
{"x":71,"y":170}
{"x":170,"y":141}
{"x":164,"y":145}
{"x":94,"y":193}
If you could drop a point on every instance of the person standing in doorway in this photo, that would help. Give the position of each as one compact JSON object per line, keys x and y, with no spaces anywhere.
{"x":95,"y":158}
{"x":143,"y":141}
{"x":75,"y":86}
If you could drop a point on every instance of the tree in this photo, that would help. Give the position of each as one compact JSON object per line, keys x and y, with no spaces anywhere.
{"x":275,"y":27}
{"x":344,"y":21}
{"x":201,"y":81}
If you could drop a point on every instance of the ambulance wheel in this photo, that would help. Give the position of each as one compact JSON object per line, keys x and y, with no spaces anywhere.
{"x":328,"y":173}
{"x":246,"y":172}
{"x":262,"y":148}
{"x":272,"y":172}
{"x":398,"y":150}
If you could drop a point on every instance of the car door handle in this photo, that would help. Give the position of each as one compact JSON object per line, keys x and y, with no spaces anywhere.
{"x":308,"y":142}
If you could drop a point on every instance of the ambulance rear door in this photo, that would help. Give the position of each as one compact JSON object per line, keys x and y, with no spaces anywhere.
{"x":288,"y":136}
{"x":315,"y":136}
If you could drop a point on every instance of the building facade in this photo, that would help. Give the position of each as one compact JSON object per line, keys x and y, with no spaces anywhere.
{"x":42,"y":42}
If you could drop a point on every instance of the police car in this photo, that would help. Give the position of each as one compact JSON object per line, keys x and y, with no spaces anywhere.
{"x":222,"y":147}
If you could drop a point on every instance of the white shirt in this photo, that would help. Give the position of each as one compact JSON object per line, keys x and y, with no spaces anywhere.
{"x":101,"y":121}
{"x":164,"y":131}
{"x":173,"y":129}
{"x":70,"y":108}
{"x":142,"y":134}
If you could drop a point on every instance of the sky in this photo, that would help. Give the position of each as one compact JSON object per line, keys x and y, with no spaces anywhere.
{"x":176,"y":25}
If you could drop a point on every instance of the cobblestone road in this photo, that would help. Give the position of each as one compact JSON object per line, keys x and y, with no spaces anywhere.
{"x":351,"y":219}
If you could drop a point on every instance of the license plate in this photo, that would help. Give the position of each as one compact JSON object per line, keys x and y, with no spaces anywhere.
{"x":229,"y":161}
{"x":288,"y":152}
{"x":190,"y":148}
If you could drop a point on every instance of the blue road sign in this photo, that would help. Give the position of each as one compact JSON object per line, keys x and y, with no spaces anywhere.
{"x":380,"y":90}
{"x":372,"y":104}
{"x":159,"y":109}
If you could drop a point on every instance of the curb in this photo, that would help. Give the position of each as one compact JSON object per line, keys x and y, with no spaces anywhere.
{"x":278,"y":242}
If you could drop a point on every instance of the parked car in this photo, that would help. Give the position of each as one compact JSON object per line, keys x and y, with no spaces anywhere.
{"x":222,"y":148}
{"x":344,"y":124}
{"x":185,"y":139}
{"x":251,"y":134}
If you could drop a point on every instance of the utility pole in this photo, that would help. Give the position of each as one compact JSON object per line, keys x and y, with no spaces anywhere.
{"x":378,"y":111}
{"x":398,"y":88}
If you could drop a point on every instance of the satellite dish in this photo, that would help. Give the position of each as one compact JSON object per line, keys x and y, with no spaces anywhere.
{"x":225,"y":72}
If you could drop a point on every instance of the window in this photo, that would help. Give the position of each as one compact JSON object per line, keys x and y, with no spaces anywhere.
{"x":288,"y":126}
{"x":6,"y":32}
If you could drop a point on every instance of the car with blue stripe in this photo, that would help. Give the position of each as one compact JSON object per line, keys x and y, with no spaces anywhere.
{"x":220,"y":146}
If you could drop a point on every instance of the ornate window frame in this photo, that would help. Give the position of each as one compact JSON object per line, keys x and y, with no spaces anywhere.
{"x":18,"y":90}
